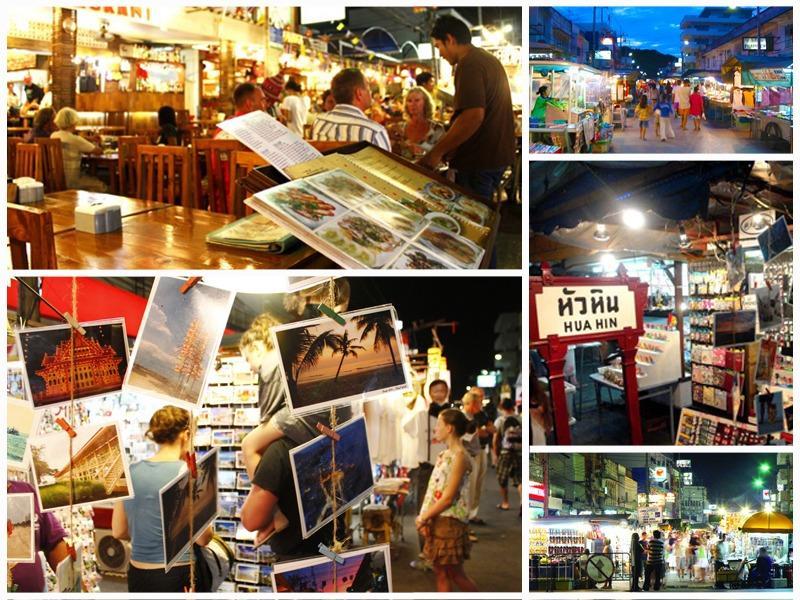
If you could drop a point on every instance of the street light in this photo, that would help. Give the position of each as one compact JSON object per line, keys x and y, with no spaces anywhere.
{"x":764,"y":468}
{"x":758,"y":483}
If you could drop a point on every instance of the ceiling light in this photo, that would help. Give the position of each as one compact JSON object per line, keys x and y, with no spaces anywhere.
{"x":609,"y":263}
{"x":633,"y":218}
{"x":600,"y":233}
{"x":683,"y":238}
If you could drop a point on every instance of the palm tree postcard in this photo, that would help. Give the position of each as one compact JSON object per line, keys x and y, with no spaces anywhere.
{"x":93,"y":469}
{"x":177,"y":511}
{"x":100,"y":361}
{"x":325,"y":492}
{"x":364,"y":570}
{"x":20,"y":545}
{"x":324,"y":364}
{"x":178,"y":340}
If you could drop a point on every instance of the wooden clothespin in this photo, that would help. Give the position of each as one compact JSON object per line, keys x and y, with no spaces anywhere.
{"x":74,"y":324}
{"x":324,"y":430}
{"x":325,"y":551}
{"x":190,"y":283}
{"x":62,"y":422}
{"x":331,"y":314}
{"x":72,"y":553}
{"x":191,"y":462}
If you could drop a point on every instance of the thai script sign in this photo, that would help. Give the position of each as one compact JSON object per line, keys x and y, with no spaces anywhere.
{"x":578,"y":310}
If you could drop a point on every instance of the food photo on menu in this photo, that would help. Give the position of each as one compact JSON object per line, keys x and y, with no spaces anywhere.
{"x":183,"y":138}
{"x":286,"y":434}
{"x":662,"y":311}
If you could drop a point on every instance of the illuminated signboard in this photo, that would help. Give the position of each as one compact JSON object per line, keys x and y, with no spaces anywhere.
{"x":687,"y":478}
{"x":751,"y":43}
{"x":683,"y":463}
{"x":602,"y":54}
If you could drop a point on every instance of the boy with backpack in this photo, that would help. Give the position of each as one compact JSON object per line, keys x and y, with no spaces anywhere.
{"x":507,"y":445}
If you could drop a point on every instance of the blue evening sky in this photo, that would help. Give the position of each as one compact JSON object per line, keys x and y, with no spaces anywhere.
{"x":648,"y":28}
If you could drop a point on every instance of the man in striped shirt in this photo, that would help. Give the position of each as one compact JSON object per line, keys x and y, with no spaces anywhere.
{"x":655,"y":562}
{"x":347,"y":121}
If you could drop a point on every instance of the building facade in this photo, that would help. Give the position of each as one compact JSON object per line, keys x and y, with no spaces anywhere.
{"x":784,"y":480}
{"x":699,"y":32}
{"x":694,"y":503}
{"x":552,"y":36}
{"x":773,"y":26}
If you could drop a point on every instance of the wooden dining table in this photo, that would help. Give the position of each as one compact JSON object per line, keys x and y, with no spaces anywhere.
{"x":155,"y":235}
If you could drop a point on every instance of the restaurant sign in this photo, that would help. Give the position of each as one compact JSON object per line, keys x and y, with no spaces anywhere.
{"x":579,"y":310}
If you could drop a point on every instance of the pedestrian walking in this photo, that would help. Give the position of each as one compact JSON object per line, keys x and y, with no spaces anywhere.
{"x":654,"y":569}
{"x":696,"y":107}
{"x":643,"y":113}
{"x":637,"y":562}
{"x":663,"y":114}
{"x":682,"y":95}
{"x":607,"y":552}
{"x":722,"y":551}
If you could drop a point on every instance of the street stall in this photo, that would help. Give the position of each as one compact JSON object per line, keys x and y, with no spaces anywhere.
{"x":712,"y":354}
{"x":192,"y":371}
{"x":762,"y":92}
{"x":774,"y":532}
{"x":577,"y":116}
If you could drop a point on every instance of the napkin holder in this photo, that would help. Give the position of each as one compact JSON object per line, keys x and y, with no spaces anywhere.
{"x":98,"y":217}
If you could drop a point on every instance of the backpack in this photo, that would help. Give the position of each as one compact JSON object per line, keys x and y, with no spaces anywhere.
{"x":213,"y":564}
{"x":511,"y":434}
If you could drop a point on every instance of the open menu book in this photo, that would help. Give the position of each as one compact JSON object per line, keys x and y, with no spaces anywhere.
{"x":366,"y":209}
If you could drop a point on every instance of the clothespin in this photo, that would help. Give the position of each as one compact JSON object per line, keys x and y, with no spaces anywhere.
{"x":190,"y":283}
{"x":324,"y":430}
{"x":62,"y":422}
{"x":191,"y":462}
{"x":72,"y":553}
{"x":324,"y":550}
{"x":74,"y":324}
{"x":331,"y":314}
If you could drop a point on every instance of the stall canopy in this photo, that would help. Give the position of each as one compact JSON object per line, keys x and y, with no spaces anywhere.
{"x":564,"y":194}
{"x":767,"y":522}
{"x":546,"y":67}
{"x":766,"y":71}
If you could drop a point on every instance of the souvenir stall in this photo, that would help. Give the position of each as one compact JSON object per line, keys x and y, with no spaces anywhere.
{"x":556,"y":544}
{"x":716,"y":338}
{"x":762,"y":90}
{"x":340,"y":377}
{"x":578,"y":112}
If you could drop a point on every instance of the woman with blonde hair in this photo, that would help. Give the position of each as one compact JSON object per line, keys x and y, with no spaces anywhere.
{"x":138,"y":519}
{"x":418,"y":132}
{"x":73,"y":147}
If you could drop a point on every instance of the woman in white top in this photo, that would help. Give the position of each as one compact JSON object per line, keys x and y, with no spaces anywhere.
{"x":73,"y":147}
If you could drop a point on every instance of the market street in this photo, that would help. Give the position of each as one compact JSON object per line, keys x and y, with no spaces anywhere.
{"x":710,"y":138}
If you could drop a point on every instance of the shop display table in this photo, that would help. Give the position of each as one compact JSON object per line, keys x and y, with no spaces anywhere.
{"x":565,"y":130}
{"x":158,"y":236}
{"x":645,"y":393}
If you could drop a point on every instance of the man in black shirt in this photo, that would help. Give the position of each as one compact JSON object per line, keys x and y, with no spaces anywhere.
{"x":273,"y":485}
{"x":33,"y":93}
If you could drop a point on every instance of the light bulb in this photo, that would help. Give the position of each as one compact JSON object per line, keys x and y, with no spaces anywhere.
{"x":633,"y":218}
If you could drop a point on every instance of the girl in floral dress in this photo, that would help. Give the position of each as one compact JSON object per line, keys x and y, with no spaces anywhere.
{"x":443,"y":519}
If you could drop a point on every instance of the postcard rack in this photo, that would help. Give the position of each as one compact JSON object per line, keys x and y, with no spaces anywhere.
{"x":230,"y":388}
{"x":265,"y":177}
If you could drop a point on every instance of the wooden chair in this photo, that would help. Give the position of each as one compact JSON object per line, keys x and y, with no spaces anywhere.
{"x":126,"y":145}
{"x":210,"y":161}
{"x":34,"y":226}
{"x":242,"y":162}
{"x":28,"y":161}
{"x":162,"y":174}
{"x":325,"y":146}
{"x":55,"y":179}
{"x":11,"y":156}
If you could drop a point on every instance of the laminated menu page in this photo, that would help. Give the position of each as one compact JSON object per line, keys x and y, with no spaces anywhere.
{"x":359,"y":226}
{"x":270,"y":139}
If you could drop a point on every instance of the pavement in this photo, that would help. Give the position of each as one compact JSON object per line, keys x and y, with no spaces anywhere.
{"x":675,"y":584}
{"x":495,"y":564}
{"x":710,"y":139}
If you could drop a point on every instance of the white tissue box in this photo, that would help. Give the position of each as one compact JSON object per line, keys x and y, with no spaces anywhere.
{"x":30,"y":191}
{"x":98,"y":217}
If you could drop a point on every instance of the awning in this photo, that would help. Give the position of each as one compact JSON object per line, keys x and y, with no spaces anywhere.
{"x":766,"y":71}
{"x":560,"y":66}
{"x":767,"y":522}
{"x":565,"y":194}
{"x":97,"y":300}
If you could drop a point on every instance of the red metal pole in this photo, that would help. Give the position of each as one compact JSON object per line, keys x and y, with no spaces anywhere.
{"x":628,"y":344}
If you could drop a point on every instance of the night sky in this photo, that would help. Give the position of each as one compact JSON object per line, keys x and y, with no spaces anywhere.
{"x":729,"y":477}
{"x":473,"y":302}
{"x":654,"y":28}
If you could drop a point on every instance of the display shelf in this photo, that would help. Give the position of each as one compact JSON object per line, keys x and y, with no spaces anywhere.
{"x":665,"y":366}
